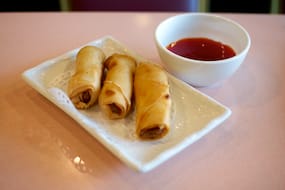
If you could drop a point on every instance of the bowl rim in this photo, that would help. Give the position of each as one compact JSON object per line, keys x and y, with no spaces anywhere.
{"x":241,"y":53}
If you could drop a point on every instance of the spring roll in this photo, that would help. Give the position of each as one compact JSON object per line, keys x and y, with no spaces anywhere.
{"x":115,"y":96}
{"x":153,"y":102}
{"x":84,"y":86}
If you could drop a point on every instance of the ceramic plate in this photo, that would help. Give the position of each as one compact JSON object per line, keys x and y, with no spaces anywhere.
{"x":193,"y":113}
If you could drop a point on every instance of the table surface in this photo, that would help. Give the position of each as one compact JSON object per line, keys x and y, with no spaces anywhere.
{"x":41,"y":147}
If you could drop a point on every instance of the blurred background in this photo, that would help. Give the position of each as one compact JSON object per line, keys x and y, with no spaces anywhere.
{"x":236,"y":6}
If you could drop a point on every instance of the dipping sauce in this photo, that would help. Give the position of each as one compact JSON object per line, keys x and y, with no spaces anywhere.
{"x":201,"y":49}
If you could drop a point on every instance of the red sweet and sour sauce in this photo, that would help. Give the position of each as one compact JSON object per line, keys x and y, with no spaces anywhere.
{"x":201,"y":49}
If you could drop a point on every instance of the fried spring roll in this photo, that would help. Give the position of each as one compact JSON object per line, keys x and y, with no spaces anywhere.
{"x":153,"y":102}
{"x":84,"y":86}
{"x":116,"y":93}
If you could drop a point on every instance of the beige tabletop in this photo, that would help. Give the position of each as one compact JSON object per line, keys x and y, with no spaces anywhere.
{"x":41,"y":147}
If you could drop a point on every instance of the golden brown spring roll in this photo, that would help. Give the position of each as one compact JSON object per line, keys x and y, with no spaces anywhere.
{"x":115,"y":96}
{"x":153,"y":102}
{"x":84,"y":86}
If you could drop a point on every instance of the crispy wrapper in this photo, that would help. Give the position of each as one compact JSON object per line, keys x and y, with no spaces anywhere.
{"x":84,"y":86}
{"x":115,"y":97}
{"x":153,"y":102}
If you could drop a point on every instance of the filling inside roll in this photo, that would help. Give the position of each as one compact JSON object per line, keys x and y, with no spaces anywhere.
{"x":153,"y":131}
{"x":85,"y":96}
{"x":115,"y":108}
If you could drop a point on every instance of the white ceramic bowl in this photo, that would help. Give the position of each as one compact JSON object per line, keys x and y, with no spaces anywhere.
{"x":196,"y":72}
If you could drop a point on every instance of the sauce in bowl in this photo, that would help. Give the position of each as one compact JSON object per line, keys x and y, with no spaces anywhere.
{"x":203,"y":49}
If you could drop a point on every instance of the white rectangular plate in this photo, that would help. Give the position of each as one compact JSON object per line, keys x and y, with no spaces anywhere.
{"x":193,"y":113}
